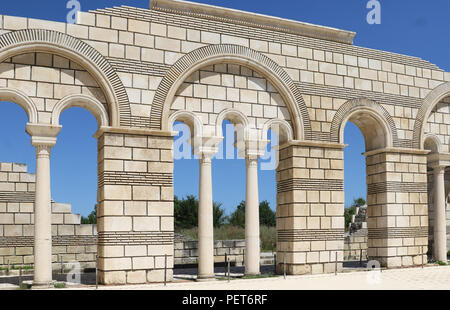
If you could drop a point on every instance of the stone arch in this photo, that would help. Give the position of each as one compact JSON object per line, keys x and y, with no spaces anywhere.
{"x":230,"y":53}
{"x":84,"y":101}
{"x":20,"y":98}
{"x":49,"y":41}
{"x":190,"y":119}
{"x":374,"y":121}
{"x":281,"y":127}
{"x":237,"y":118}
{"x":430,"y":101}
{"x":432,"y":143}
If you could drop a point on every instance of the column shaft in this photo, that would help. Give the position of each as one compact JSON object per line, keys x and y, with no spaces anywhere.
{"x":42,"y":218}
{"x":440,"y":235}
{"x":252,"y":238}
{"x":205,"y":221}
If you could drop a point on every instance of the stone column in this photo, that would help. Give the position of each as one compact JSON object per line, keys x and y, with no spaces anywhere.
{"x":252,"y":242}
{"x":440,"y":234}
{"x":205,"y":220}
{"x":205,"y":148}
{"x":43,"y":138}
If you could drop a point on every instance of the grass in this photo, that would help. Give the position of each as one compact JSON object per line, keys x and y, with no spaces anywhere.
{"x":22,"y":267}
{"x":230,"y":232}
{"x":60,"y":285}
{"x":260,"y":276}
{"x":13,"y":267}
{"x":441,"y":263}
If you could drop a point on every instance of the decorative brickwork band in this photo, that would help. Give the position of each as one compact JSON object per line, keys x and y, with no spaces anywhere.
{"x":84,"y":54}
{"x":135,"y":178}
{"x":27,"y":241}
{"x":293,"y":235}
{"x":310,"y":184}
{"x":135,"y":238}
{"x":400,"y":187}
{"x":398,"y":232}
{"x":17,"y":196}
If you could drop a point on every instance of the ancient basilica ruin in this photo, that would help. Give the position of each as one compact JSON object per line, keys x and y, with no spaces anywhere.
{"x":138,"y":71}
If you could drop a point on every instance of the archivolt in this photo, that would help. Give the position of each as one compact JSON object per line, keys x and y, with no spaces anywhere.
{"x":433,"y":98}
{"x":229,"y":53}
{"x":89,"y":103}
{"x":20,"y":98}
{"x":362,"y":104}
{"x":49,"y":41}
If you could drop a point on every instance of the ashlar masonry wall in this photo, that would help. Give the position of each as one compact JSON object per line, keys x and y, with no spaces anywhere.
{"x":72,"y":242}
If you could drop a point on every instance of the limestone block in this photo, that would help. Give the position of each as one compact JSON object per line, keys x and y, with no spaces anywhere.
{"x":14,"y":23}
{"x":12,"y":230}
{"x":136,"y":141}
{"x":143,"y":262}
{"x":72,"y":219}
{"x":6,"y":218}
{"x":146,"y":193}
{"x":146,"y":223}
{"x":167,"y":224}
{"x":84,"y":230}
{"x":138,"y":26}
{"x":135,"y":166}
{"x":66,"y":230}
{"x":116,"y":192}
{"x":115,"y":223}
{"x":135,"y":208}
{"x":135,"y":250}
{"x":160,"y":208}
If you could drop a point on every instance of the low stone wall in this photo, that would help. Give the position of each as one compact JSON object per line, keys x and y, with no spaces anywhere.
{"x":71,"y":240}
{"x":186,"y":251}
{"x":355,"y":245}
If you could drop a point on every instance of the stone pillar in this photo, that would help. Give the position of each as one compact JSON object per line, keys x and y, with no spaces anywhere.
{"x":135,"y":211}
{"x":43,"y":138}
{"x":205,"y":220}
{"x":252,"y":237}
{"x":440,"y":222}
{"x":310,"y":207}
{"x":205,"y":148}
{"x":397,"y":207}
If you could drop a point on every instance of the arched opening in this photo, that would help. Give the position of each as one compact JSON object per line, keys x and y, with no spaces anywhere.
{"x":365,"y":131}
{"x":355,"y":188}
{"x":74,"y":163}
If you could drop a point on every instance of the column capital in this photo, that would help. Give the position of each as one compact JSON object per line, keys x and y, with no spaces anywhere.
{"x":438,"y":169}
{"x":43,"y":135}
{"x":206,"y":147}
{"x":252,"y":149}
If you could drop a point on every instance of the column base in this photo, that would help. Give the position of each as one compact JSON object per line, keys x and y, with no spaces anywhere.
{"x":252,"y":274}
{"x":205,"y":278}
{"x":42,"y":285}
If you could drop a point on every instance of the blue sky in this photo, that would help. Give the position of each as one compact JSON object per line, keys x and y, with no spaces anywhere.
{"x":415,"y":27}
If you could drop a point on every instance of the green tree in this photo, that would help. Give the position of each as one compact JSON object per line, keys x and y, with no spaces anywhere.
{"x":219,"y":217}
{"x":350,"y":211}
{"x":186,"y":213}
{"x":237,"y":218}
{"x":266,"y":215}
{"x":91,"y":218}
